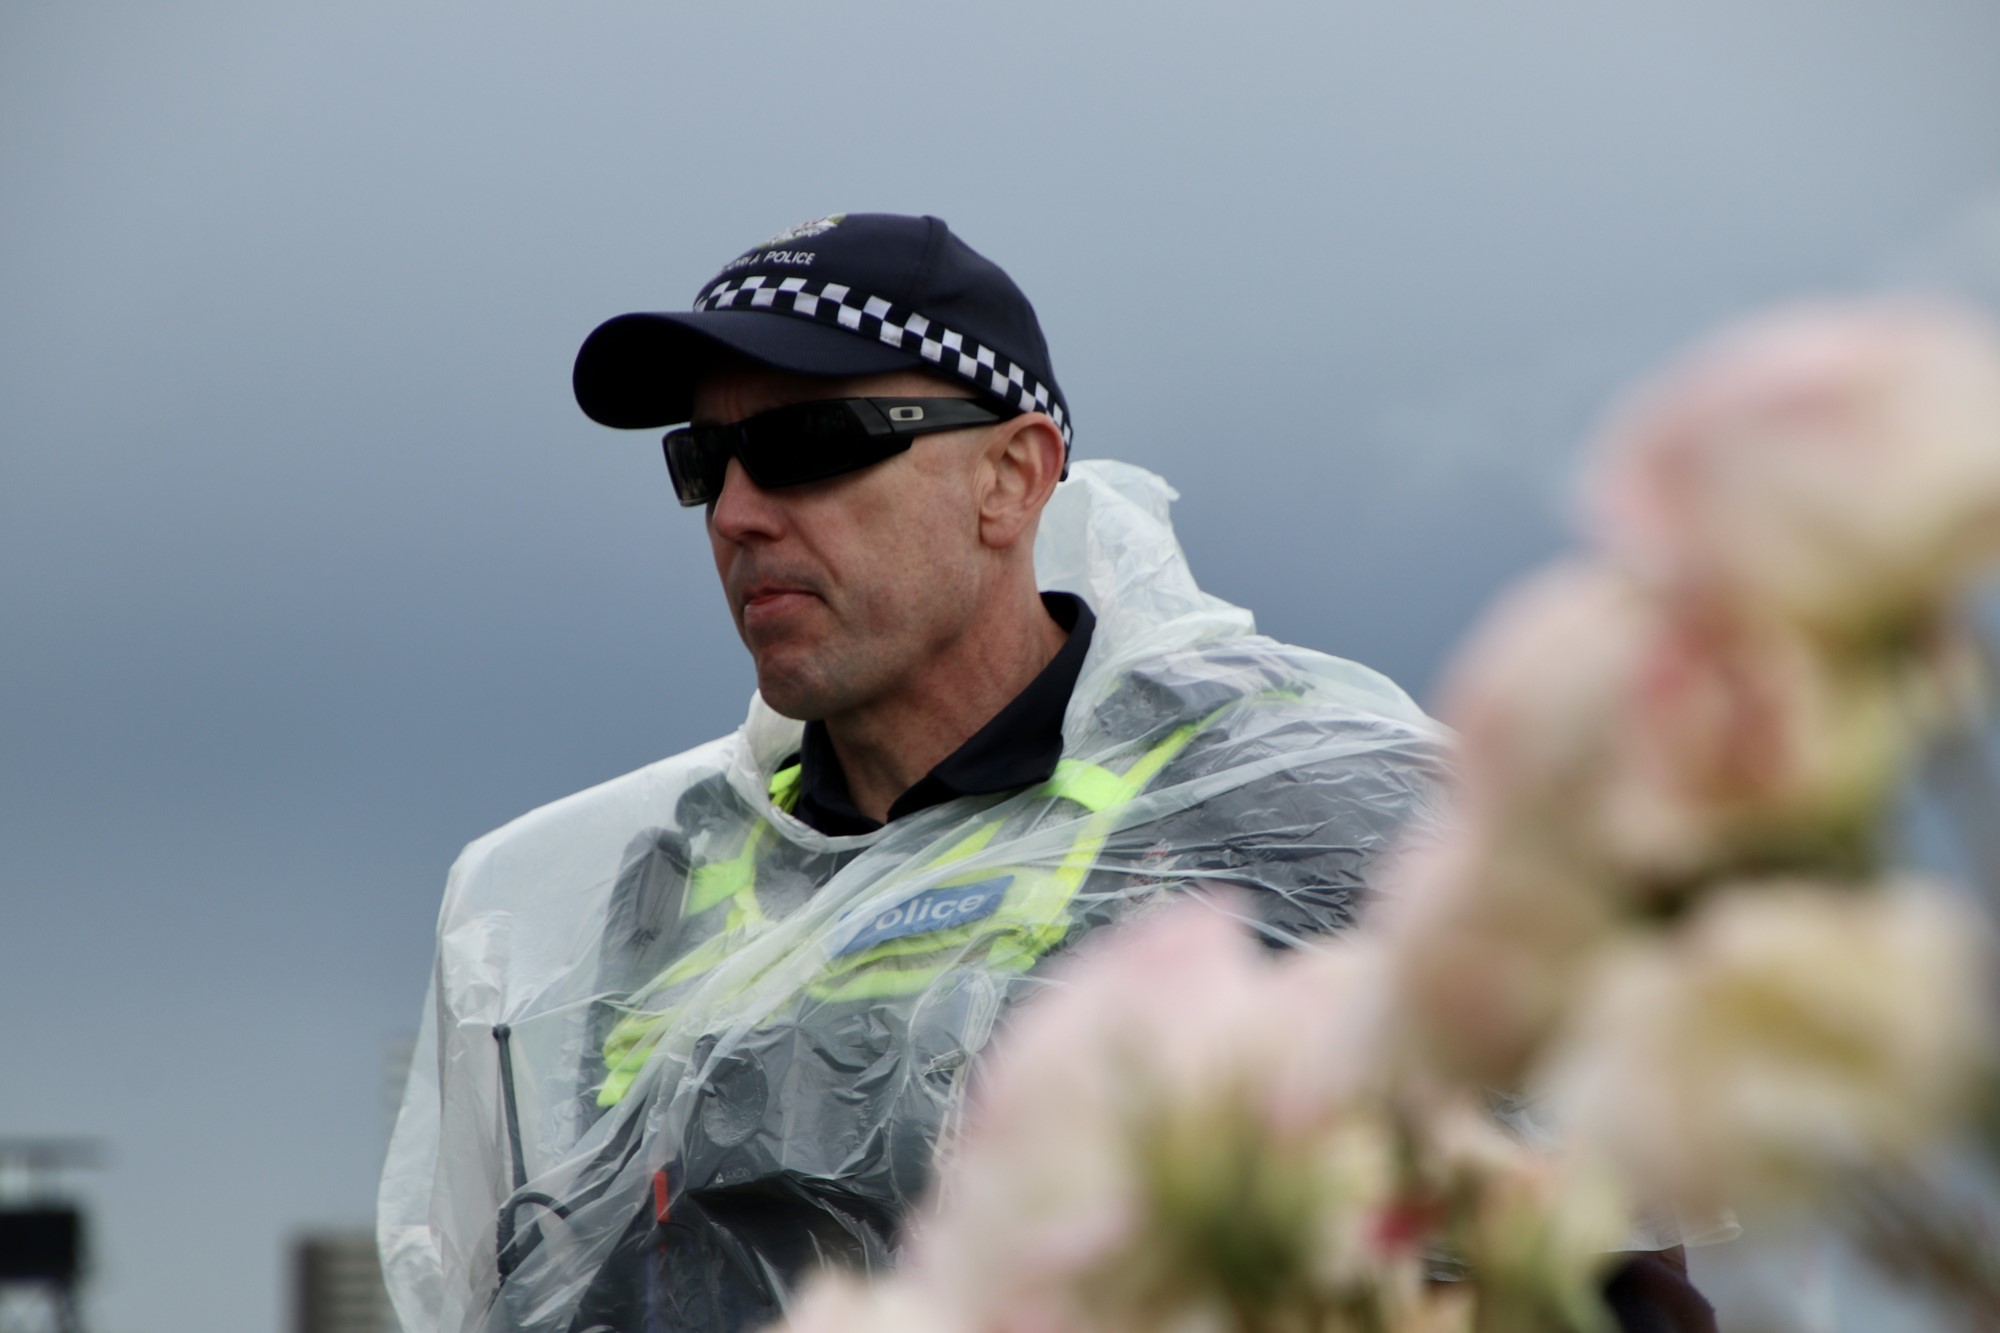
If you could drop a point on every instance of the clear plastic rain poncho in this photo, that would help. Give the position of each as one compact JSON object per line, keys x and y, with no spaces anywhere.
{"x":681,"y":1048}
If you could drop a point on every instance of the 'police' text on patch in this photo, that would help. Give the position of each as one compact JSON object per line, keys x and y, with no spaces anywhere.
{"x":934,"y":909}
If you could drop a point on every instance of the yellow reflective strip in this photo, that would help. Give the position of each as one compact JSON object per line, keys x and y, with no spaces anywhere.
{"x":1091,"y":786}
{"x":626,"y":1051}
{"x":721,"y":880}
{"x":698,"y":960}
{"x":952,"y":938}
{"x":880,"y":983}
{"x":1044,"y":896}
{"x":883,"y":983}
{"x":1031,"y":920}
{"x":1083,"y":852}
{"x":784,"y":787}
{"x":629,"y":1034}
{"x":630,"y":1041}
{"x":1033,"y":916}
{"x":616,"y":1084}
{"x":974,"y":841}
{"x":711,"y":884}
{"x":733,"y":881}
{"x":1017,"y":951}
{"x":1021,"y":914}
{"x":1047,"y":898}
{"x":928,"y":941}
{"x":1157,"y":758}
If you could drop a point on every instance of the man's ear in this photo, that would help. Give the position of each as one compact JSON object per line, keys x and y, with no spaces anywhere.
{"x":1021,"y":465}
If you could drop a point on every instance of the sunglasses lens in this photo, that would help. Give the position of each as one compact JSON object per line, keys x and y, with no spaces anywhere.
{"x":806,"y":442}
{"x":811,"y":442}
{"x":697,"y":460}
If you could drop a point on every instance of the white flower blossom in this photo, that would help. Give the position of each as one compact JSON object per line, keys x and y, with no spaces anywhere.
{"x":1791,"y":1032}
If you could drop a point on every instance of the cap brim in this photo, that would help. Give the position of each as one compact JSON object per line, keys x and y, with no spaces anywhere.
{"x":639,"y":370}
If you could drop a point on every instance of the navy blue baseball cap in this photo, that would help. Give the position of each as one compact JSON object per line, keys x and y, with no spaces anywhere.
{"x":848,"y":294}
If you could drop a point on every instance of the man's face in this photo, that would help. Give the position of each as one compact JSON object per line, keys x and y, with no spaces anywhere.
{"x":844,"y":589}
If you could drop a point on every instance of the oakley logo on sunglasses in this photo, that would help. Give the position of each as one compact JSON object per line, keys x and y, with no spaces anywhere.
{"x":803,"y":442}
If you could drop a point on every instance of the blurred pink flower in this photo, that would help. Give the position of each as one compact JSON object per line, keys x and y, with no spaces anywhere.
{"x":1791,"y":1031}
{"x":1487,"y":940}
{"x":840,"y":1302}
{"x":1175,"y":1132}
{"x":1617,"y":732}
{"x":1537,"y":1226}
{"x":1835,"y":465}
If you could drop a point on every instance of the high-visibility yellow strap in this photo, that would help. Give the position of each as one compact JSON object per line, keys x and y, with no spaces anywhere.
{"x":626,"y":1050}
{"x":974,"y":841}
{"x":744,"y":910}
{"x":698,"y":960}
{"x":630,"y":1042}
{"x":1034,"y":916}
{"x":1032,"y":919}
{"x":1101,"y":791}
{"x":1150,"y":763}
{"x":888,"y":982}
{"x":943,"y":939}
{"x":1091,"y":786}
{"x":719,"y":881}
{"x":1046,"y":899}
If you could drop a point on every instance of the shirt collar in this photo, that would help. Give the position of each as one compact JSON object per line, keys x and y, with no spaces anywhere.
{"x":1018,"y":746}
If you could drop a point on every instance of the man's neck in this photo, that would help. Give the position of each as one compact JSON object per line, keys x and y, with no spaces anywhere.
{"x":886,"y":748}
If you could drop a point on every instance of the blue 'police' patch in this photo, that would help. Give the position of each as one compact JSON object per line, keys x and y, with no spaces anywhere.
{"x":934,"y":909}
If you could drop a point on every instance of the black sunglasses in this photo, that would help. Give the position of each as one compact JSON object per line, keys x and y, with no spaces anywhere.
{"x":789,"y":446}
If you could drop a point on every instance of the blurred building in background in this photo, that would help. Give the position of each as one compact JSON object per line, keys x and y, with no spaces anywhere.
{"x":336,"y":1283}
{"x":336,"y":1275}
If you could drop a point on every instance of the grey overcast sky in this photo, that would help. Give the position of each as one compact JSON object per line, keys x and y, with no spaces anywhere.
{"x":310,"y":571}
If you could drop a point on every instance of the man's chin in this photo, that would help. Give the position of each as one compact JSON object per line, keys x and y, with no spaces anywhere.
{"x":796,"y":712}
{"x":787,"y":695}
{"x":812,"y":682}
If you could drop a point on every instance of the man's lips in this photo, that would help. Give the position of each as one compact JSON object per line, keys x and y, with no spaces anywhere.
{"x":766,"y":601}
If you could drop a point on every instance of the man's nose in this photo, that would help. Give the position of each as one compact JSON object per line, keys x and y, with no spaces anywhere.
{"x":743,"y":509}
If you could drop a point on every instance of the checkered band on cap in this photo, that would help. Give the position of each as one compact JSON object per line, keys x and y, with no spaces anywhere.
{"x":871,"y":316}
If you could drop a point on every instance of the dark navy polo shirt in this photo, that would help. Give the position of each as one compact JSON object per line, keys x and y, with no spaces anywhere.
{"x":1017,"y":748}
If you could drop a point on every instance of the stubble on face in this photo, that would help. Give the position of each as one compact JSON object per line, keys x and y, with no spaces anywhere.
{"x":844,"y":591}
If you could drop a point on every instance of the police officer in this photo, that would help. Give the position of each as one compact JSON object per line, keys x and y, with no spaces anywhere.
{"x":704,"y":1027}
